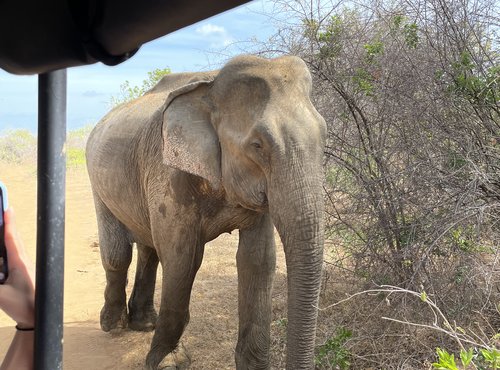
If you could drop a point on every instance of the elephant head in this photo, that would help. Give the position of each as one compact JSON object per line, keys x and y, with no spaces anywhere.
{"x":253,"y":132}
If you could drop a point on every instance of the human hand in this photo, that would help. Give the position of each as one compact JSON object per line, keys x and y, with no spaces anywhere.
{"x":17,"y":295}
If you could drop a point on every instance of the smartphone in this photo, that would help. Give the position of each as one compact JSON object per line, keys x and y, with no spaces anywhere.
{"x":4,"y":266}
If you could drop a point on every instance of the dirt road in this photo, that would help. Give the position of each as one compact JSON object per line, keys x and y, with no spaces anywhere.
{"x":210,"y":337}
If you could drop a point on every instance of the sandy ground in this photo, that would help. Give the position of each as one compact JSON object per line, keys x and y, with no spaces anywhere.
{"x":210,"y":337}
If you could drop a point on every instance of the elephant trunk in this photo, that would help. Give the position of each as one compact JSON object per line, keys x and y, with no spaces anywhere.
{"x":297,"y":207}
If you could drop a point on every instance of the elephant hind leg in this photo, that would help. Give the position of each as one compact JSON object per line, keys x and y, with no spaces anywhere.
{"x":142,"y":315}
{"x":116,"y":255}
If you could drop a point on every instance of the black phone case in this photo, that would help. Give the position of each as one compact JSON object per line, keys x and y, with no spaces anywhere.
{"x":4,"y":266}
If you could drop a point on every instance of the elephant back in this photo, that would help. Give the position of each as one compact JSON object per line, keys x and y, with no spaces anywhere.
{"x":174,"y":81}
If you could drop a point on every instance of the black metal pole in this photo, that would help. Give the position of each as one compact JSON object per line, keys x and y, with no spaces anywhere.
{"x":50,"y":220}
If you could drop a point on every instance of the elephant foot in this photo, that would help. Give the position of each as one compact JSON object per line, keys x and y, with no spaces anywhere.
{"x":142,"y":320}
{"x":178,"y":359}
{"x":113,"y":318}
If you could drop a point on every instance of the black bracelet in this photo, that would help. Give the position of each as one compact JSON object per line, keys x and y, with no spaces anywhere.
{"x":24,"y":329}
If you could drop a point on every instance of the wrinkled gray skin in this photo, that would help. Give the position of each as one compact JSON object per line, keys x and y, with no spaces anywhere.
{"x":199,"y":155}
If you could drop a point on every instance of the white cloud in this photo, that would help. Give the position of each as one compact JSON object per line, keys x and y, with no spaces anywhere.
{"x":217,"y":36}
{"x":210,"y":29}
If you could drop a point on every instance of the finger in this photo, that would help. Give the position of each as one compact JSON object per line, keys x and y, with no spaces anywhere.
{"x":18,"y":259}
{"x":13,"y":242}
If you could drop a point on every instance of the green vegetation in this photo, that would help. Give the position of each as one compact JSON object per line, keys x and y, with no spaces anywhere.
{"x":75,"y":157}
{"x":333,"y":354}
{"x":20,"y":146}
{"x":17,"y":146}
{"x":75,"y":146}
{"x":373,"y":50}
{"x":483,"y":358}
{"x":81,"y":133}
{"x":128,"y":92}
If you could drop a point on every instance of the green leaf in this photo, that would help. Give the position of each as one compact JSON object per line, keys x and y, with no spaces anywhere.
{"x":411,"y":35}
{"x":397,"y":20}
{"x":492,"y":356}
{"x":446,"y":360}
{"x":461,"y":330}
{"x":423,"y":296}
{"x":487,"y":355}
{"x":373,"y":49}
{"x":466,"y":357}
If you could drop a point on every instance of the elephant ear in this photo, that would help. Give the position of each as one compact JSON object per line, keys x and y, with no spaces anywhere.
{"x":190,"y":142}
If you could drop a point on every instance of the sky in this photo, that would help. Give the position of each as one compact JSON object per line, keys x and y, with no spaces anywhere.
{"x":203,"y":46}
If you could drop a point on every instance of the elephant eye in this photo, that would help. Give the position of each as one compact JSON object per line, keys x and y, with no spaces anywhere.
{"x":257,"y":144}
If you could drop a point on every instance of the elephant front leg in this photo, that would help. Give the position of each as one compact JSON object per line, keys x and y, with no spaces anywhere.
{"x":141,"y":311}
{"x":180,"y":259}
{"x":256,"y":261}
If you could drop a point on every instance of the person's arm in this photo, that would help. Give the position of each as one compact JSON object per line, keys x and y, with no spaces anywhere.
{"x":21,"y":352}
{"x":17,"y":299}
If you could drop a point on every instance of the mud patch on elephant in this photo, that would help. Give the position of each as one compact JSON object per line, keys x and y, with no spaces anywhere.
{"x":163,"y":210}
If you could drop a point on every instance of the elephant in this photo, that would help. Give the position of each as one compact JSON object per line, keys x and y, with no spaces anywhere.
{"x":198,"y":155}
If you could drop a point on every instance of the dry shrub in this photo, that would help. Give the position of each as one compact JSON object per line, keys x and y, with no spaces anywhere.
{"x":410,"y":93}
{"x":18,"y":146}
{"x":379,"y":343}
